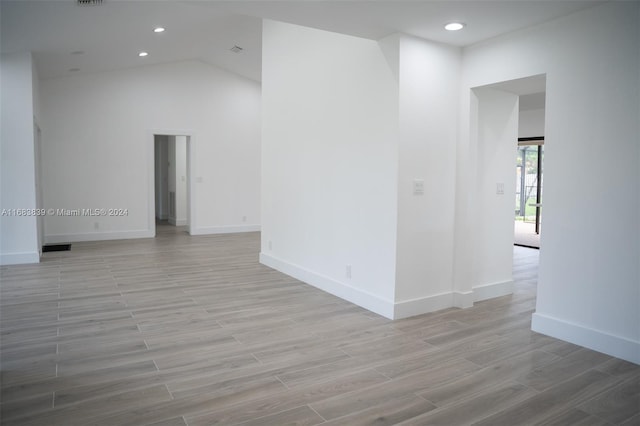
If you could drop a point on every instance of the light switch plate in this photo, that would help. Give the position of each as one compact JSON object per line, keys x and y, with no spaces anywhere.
{"x":418,"y":187}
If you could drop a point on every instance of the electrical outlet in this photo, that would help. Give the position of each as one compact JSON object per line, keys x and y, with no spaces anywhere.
{"x":500,"y":188}
{"x":96,"y":225}
{"x":244,"y":218}
{"x":270,"y":245}
{"x":347,"y":271}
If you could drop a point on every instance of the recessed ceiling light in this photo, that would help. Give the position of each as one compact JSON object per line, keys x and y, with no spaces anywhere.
{"x":454,"y":26}
{"x":143,"y":54}
{"x":158,"y":30}
{"x":78,"y":52}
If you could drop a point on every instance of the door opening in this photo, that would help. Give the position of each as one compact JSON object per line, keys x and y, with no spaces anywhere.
{"x":500,"y":114}
{"x":529,"y":179}
{"x":171,"y":191}
{"x":530,"y":152}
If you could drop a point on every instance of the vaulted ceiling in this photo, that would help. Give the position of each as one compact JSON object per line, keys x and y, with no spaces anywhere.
{"x":68,"y":38}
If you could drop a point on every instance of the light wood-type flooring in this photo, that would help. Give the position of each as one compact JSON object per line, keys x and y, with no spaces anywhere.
{"x":182,"y":330}
{"x":525,"y":234}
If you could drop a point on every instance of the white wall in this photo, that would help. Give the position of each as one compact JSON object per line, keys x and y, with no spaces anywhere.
{"x":171,"y":177}
{"x":588,"y":289}
{"x":161,"y":157}
{"x":35,"y":92}
{"x":531,"y":123}
{"x":18,"y":234}
{"x":177,"y":179}
{"x":99,"y":147}
{"x":495,"y":136}
{"x":329,"y":165}
{"x":181,"y":179}
{"x":304,"y":146}
{"x":429,"y":76}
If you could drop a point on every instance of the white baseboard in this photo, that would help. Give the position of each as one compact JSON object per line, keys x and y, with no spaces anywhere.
{"x":489,"y":291}
{"x":177,"y":222}
{"x":98,"y":236}
{"x":410,"y":308}
{"x":449,"y":300}
{"x":230,"y":229}
{"x":386,"y":308}
{"x":616,"y":346}
{"x":462,"y":300}
{"x":354,"y":295}
{"x":126,"y":235}
{"x":19,"y":258}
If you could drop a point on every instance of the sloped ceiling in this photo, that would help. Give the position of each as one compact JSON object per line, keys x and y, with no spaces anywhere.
{"x":110,"y":35}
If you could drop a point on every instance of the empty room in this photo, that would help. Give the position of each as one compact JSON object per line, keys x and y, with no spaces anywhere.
{"x":270,"y":213}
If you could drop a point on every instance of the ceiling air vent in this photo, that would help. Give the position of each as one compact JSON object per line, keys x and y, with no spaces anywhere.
{"x":89,"y":2}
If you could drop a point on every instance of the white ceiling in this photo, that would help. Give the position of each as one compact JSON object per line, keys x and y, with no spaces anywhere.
{"x":111,"y":35}
{"x":531,"y":90}
{"x":532,"y":101}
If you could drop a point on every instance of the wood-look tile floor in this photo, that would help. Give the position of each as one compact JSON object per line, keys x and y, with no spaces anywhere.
{"x":182,"y":330}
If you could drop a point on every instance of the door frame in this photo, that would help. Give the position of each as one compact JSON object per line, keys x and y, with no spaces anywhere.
{"x":191,"y":198}
{"x":37,"y":149}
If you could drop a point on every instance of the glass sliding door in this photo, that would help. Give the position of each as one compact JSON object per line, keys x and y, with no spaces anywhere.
{"x":529,"y":184}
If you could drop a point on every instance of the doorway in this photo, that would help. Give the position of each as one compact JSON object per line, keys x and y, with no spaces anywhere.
{"x":530,"y":152}
{"x":528,"y":208}
{"x":495,"y":126}
{"x":171,"y":189}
